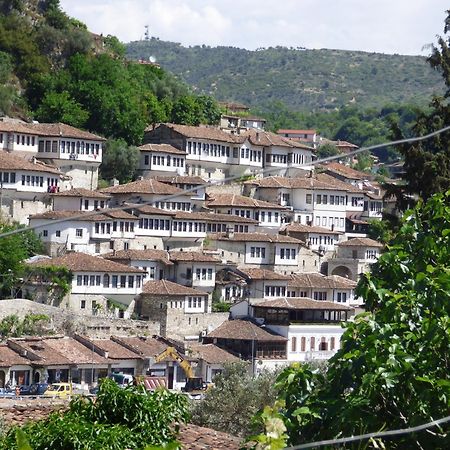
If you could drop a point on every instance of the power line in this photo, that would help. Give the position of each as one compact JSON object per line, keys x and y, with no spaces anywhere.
{"x":265,"y":171}
{"x":376,"y":434}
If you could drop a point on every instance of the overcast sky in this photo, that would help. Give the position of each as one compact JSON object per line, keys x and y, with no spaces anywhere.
{"x":387,"y":26}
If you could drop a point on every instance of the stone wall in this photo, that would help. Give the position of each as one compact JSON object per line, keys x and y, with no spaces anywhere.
{"x":67,"y":322}
{"x":23,"y":410}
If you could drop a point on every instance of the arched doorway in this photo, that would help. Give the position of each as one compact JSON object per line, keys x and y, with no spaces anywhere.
{"x":342,"y":271}
{"x":2,"y":378}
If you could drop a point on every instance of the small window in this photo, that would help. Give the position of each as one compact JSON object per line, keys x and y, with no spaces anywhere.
{"x":79,"y":232}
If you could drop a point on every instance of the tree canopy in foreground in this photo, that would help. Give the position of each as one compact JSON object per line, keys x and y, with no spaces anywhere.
{"x":392,"y":371}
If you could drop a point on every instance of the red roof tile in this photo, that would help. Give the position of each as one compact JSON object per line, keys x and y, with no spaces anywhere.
{"x":167,"y":288}
{"x":361,"y":242}
{"x":301,"y":303}
{"x":244,"y":330}
{"x":145,"y":186}
{"x":161,"y":148}
{"x":82,"y":262}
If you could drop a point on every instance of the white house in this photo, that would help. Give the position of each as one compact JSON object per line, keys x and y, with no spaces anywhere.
{"x":25,"y":186}
{"x":354,"y":257}
{"x":95,"y":280}
{"x":161,"y":159}
{"x":194,"y":269}
{"x":270,"y":216}
{"x":79,"y":199}
{"x":314,"y":285}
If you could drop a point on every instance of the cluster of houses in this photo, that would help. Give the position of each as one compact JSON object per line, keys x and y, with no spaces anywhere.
{"x":280,"y":249}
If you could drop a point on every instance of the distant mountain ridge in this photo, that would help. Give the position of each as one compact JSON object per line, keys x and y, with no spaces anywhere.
{"x":305,"y":80}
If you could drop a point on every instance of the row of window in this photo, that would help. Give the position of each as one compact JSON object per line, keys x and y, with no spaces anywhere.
{"x":7,"y":177}
{"x":288,"y":253}
{"x":258,"y":252}
{"x":195,"y":302}
{"x":23,"y":139}
{"x":78,"y":147}
{"x":196,"y":227}
{"x":330,"y":221}
{"x":203,"y":274}
{"x":325,"y":240}
{"x":276,"y":158}
{"x":323,"y":344}
{"x":114,"y":281}
{"x":195,"y":148}
{"x":164,"y":161}
{"x":154,"y":224}
{"x":173,"y":206}
{"x":275,"y":291}
{"x":324,"y":199}
{"x":97,"y":204}
{"x":252,"y":155}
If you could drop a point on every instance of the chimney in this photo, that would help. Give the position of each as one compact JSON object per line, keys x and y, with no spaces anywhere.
{"x":114,"y":182}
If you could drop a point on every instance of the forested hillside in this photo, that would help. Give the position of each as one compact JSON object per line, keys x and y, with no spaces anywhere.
{"x":302,"y":79}
{"x":53,"y":69}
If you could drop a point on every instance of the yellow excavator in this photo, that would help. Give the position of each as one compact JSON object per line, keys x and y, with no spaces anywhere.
{"x":193,"y":383}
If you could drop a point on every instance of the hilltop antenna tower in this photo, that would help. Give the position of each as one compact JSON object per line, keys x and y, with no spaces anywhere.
{"x":146,"y":34}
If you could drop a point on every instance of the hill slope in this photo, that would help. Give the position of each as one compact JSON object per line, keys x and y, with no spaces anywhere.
{"x":302,"y":79}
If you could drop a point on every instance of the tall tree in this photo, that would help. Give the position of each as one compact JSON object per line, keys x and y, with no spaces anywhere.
{"x":427,"y":163}
{"x":120,"y":161}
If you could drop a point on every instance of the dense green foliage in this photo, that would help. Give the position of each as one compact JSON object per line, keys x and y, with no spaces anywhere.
{"x":119,"y":160}
{"x":119,"y":419}
{"x":234,"y":399}
{"x":427,"y":163}
{"x":69,"y":75}
{"x":392,"y":369}
{"x":362,"y":127}
{"x":13,"y":250}
{"x":30,"y":325}
{"x":304,"y":80}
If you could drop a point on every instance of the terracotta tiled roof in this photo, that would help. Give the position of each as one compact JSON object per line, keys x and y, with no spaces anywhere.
{"x":115,"y":350}
{"x":296,"y":131}
{"x":147,"y":347}
{"x":141,"y":255}
{"x":317,"y":280}
{"x":263,"y":274}
{"x":164,"y":287}
{"x":80,"y":192}
{"x":193,"y":437}
{"x":82,"y":262}
{"x":8,"y":161}
{"x":296,"y":227}
{"x":75,"y":351}
{"x":9,"y":357}
{"x":346,"y":171}
{"x":88,"y":216}
{"x":201,"y":132}
{"x":361,"y":242}
{"x":47,"y":354}
{"x":180,"y":179}
{"x":241,"y":201}
{"x":319,"y":181}
{"x":192,"y":257}
{"x":212,"y":354}
{"x":161,"y":148}
{"x":269,"y":139}
{"x":63,"y":130}
{"x":254,"y":237}
{"x":244,"y":330}
{"x":299,"y":303}
{"x":145,"y":186}
{"x":16,"y":127}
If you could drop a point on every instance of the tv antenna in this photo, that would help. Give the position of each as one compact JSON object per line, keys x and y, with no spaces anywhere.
{"x":146,"y":34}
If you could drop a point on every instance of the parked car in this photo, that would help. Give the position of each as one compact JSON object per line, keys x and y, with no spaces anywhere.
{"x":34,"y":389}
{"x":7,"y":393}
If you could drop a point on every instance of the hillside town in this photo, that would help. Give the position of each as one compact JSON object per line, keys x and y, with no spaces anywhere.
{"x":232,"y":243}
